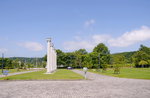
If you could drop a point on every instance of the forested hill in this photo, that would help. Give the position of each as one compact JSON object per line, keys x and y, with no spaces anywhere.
{"x":127,"y":55}
{"x":31,"y":60}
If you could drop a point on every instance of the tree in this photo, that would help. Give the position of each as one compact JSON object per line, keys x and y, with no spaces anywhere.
{"x":94,"y":59}
{"x":70,"y":59}
{"x":80,"y":56}
{"x":60,"y":57}
{"x":142,"y":54}
{"x":143,"y":63}
{"x":148,"y":61}
{"x":127,"y":56}
{"x":17,"y":64}
{"x":87,"y":61}
{"x":119,"y":59}
{"x":102,"y":51}
{"x":144,"y":49}
{"x":45,"y":57}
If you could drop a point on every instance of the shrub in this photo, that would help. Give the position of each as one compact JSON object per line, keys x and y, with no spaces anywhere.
{"x":104,"y":67}
{"x":117,"y":69}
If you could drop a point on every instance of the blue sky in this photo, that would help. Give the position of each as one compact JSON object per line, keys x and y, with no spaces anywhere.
{"x":72,"y":24}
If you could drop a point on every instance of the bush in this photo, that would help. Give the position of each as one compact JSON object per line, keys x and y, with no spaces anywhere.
{"x":104,"y":67}
{"x":116,"y":69}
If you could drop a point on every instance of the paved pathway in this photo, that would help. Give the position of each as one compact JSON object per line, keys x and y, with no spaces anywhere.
{"x":16,"y":73}
{"x":98,"y":86}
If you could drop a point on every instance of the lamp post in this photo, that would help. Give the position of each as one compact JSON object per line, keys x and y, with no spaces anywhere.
{"x":85,"y":71}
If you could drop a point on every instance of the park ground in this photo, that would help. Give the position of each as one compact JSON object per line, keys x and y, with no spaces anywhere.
{"x":61,"y":74}
{"x":134,"y":73}
{"x":97,"y":86}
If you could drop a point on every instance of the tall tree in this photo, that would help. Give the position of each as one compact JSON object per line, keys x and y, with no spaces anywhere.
{"x":87,"y":61}
{"x":70,"y":59}
{"x":80,"y":56}
{"x":143,"y":54}
{"x":103,"y":53}
{"x":60,"y":57}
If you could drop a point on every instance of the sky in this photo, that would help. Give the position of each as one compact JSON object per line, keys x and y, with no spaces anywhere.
{"x":122,"y":25}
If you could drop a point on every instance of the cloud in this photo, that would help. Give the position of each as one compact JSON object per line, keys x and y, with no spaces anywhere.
{"x":101,"y":38}
{"x":88,"y":43}
{"x":3,"y":50}
{"x":75,"y":45}
{"x":33,"y":46}
{"x":89,"y":23}
{"x":125,"y":40}
{"x":130,"y":38}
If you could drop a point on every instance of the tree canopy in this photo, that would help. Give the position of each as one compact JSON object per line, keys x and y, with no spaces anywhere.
{"x":98,"y":58}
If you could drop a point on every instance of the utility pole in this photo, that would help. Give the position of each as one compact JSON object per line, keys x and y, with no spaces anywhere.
{"x":2,"y":61}
{"x":36,"y":62}
{"x":99,"y":60}
{"x":25,"y":64}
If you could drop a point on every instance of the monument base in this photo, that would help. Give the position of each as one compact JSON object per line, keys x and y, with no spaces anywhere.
{"x":52,"y":72}
{"x":48,"y":73}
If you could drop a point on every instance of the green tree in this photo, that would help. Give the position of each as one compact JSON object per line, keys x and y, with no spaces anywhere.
{"x":101,"y":51}
{"x":119,"y":59}
{"x":87,"y":61}
{"x":144,"y":49}
{"x":148,"y":61}
{"x":80,"y":56}
{"x":141,"y":55}
{"x":143,"y":63}
{"x":45,"y":58}
{"x":94,"y":59}
{"x":60,"y":57}
{"x":70,"y":59}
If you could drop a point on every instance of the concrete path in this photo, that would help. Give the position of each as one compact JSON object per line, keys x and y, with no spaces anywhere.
{"x":98,"y":87}
{"x":16,"y":73}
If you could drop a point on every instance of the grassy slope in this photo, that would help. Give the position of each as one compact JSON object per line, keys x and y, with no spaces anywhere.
{"x":135,"y":73}
{"x":59,"y":74}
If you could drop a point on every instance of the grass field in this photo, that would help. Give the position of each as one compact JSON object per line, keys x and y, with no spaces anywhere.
{"x":39,"y":75}
{"x":13,"y":70}
{"x":135,"y":73}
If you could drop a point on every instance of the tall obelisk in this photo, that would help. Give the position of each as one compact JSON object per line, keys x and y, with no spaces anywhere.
{"x":49,"y":70}
{"x":51,"y":57}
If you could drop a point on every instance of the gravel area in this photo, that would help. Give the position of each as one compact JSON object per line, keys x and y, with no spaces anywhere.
{"x":98,"y":86}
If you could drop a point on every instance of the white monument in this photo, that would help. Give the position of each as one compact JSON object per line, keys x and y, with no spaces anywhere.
{"x":51,"y":57}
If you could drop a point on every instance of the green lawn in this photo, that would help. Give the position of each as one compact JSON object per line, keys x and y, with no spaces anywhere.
{"x":39,"y":75}
{"x":135,"y":73}
{"x":13,"y":70}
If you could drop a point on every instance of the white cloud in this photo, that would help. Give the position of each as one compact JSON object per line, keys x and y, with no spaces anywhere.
{"x":100,"y":38}
{"x":88,"y":43}
{"x":125,"y":40}
{"x":130,"y":38}
{"x":33,"y":46}
{"x":75,"y":45}
{"x":3,"y":50}
{"x":89,"y":23}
